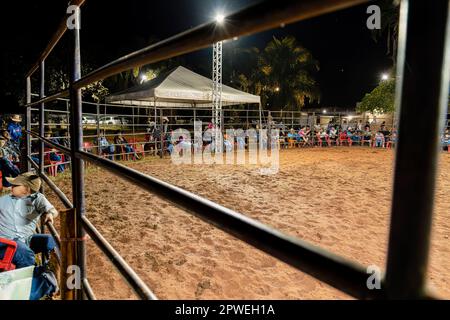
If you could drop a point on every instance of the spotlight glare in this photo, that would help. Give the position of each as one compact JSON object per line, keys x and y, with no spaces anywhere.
{"x":220,"y":18}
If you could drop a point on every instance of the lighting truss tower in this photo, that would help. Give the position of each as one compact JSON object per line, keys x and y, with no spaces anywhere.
{"x":217,"y":96}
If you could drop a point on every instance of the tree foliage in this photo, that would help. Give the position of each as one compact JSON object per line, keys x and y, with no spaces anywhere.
{"x":380,"y":100}
{"x":282,"y":74}
{"x":59,"y":80}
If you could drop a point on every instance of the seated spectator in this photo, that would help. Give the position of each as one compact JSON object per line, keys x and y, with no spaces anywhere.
{"x":64,"y":138}
{"x":330,"y":125}
{"x":304,"y":134}
{"x":20,"y":213}
{"x":323,"y":137}
{"x":379,"y":140}
{"x":105,"y":146}
{"x":283,"y":139}
{"x":53,"y":155}
{"x":446,"y":140}
{"x":121,"y":141}
{"x":10,"y":146}
{"x":343,"y":137}
{"x":367,"y":135}
{"x":291,"y":134}
{"x":349,"y":132}
{"x":333,"y":135}
{"x":355,"y":136}
{"x":392,"y":139}
{"x":7,"y":167}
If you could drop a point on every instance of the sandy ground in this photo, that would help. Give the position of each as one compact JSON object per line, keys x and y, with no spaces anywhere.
{"x":337,"y":198}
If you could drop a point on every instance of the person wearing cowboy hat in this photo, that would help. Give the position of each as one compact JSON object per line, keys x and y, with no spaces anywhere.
{"x":20,"y":213}
{"x":15,"y":128}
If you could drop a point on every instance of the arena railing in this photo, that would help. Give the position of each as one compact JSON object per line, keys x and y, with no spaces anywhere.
{"x":415,"y":170}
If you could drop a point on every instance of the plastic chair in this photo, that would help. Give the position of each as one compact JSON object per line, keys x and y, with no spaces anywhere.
{"x":6,"y":262}
{"x":138,"y":147}
{"x":87,"y":147}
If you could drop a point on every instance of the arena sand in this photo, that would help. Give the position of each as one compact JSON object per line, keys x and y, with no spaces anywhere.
{"x":337,"y":198}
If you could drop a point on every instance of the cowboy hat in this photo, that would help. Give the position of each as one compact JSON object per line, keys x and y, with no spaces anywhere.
{"x":28,"y":179}
{"x":16,"y":118}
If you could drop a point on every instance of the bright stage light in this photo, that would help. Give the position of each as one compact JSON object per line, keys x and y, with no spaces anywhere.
{"x":220,"y":18}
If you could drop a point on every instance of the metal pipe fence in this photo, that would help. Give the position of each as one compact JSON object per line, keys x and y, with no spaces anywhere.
{"x":405,"y":276}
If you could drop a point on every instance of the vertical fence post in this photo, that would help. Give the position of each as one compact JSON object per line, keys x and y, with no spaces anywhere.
{"x":162,"y":134}
{"x":68,"y":251}
{"x":98,"y":128}
{"x":42,"y":129}
{"x":292,"y":119}
{"x":77,"y":163}
{"x":422,"y":90}
{"x":28,"y":125}
{"x":42,"y":119}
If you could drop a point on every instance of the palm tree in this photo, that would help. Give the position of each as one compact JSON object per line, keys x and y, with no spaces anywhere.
{"x":286,"y":70}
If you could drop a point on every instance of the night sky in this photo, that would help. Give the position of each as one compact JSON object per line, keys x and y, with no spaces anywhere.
{"x":351,"y":62}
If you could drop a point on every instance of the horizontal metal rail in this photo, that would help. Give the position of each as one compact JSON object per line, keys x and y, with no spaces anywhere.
{"x":51,"y":98}
{"x":122,"y":266}
{"x":61,"y":148}
{"x":53,"y":41}
{"x":260,"y":17}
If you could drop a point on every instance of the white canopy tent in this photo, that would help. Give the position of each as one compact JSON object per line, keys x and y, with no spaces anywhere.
{"x":180,"y":88}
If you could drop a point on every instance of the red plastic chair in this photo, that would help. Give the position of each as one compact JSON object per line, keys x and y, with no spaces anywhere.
{"x":6,"y":262}
{"x":138,"y":146}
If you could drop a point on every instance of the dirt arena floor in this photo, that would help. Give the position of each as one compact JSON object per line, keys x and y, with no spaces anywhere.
{"x":337,"y":198}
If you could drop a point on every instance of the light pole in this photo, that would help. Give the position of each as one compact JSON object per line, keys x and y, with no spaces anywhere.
{"x":217,"y":89}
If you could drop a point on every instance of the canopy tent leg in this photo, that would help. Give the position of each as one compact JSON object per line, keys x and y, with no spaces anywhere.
{"x":98,"y":127}
{"x":162,"y":133}
{"x":260,"y":116}
{"x":154,"y":127}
